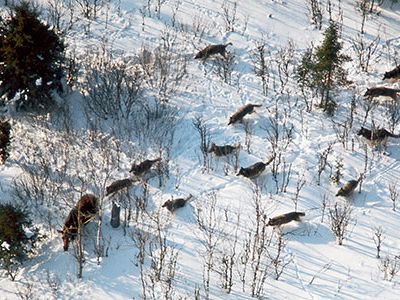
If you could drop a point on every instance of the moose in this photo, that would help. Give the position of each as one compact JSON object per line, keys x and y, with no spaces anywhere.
{"x":348,"y":188}
{"x":82,"y":213}
{"x":392,"y":74}
{"x":285,"y":218}
{"x":255,"y":169}
{"x":381,"y":91}
{"x":241,"y":112}
{"x":143,"y":167}
{"x":212,"y":50}
{"x":223,"y":150}
{"x":174,"y":204}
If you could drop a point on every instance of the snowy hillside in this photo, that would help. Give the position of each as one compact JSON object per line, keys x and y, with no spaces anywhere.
{"x":218,"y":246}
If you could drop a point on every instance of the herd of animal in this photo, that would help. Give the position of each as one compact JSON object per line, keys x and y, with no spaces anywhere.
{"x":87,"y":206}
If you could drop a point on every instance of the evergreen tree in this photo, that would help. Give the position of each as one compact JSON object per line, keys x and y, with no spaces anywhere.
{"x":30,"y":58}
{"x":15,"y":243}
{"x":322,"y":71}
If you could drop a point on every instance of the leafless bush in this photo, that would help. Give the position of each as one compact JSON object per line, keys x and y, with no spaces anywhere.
{"x":89,"y":8}
{"x":378,"y":238}
{"x":365,"y":50}
{"x":204,"y":133}
{"x":208,"y":223}
{"x":229,"y":15}
{"x":248,"y":129}
{"x":342,"y":131}
{"x":338,"y":174}
{"x":393,"y":115}
{"x":394,"y":194}
{"x":340,"y":218}
{"x":315,"y":11}
{"x":164,"y":67}
{"x":141,"y":240}
{"x":390,"y":266}
{"x":111,"y":88}
{"x":56,"y":12}
{"x":301,"y":181}
{"x":323,"y":162}
{"x":284,"y":61}
{"x":324,"y":204}
{"x":279,"y":261}
{"x":260,"y":65}
{"x":224,"y":67}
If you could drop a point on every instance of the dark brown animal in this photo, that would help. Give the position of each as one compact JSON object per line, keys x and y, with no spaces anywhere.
{"x":392,"y":74}
{"x":377,"y":136}
{"x":174,"y":204}
{"x":223,"y":150}
{"x":118,"y":185}
{"x":254,"y":170}
{"x":83,"y":212}
{"x":381,"y":91}
{"x":143,"y":167}
{"x":244,"y":110}
{"x":212,"y":50}
{"x":285,"y":218}
{"x":348,"y":188}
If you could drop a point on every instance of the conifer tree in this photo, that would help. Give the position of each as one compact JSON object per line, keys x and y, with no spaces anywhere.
{"x":30,"y":58}
{"x":322,"y":70}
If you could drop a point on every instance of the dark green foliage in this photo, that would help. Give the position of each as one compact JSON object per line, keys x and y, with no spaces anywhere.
{"x":30,"y":58}
{"x":15,"y":245}
{"x":322,"y":70}
{"x":5,"y":140}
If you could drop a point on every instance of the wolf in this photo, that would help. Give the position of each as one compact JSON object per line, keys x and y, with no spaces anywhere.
{"x":348,"y":188}
{"x":143,"y":167}
{"x":118,"y":185}
{"x":286,"y":218}
{"x":254,"y":170}
{"x":212,"y":50}
{"x":392,"y":74}
{"x":174,"y":204}
{"x":241,"y":112}
{"x":377,"y":136}
{"x":223,"y":150}
{"x":381,"y":91}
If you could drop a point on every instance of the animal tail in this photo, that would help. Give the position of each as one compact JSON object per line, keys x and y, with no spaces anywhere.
{"x":270,"y":160}
{"x":302,"y":214}
{"x":257,"y":105}
{"x":394,"y":135}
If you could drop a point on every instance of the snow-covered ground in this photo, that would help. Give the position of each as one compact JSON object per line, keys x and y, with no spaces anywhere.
{"x":222,"y":218}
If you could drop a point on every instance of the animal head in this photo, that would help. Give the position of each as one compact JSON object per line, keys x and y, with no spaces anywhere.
{"x":363,"y":131}
{"x":242,"y":171}
{"x":168,"y":204}
{"x":213,"y":148}
{"x":369,"y":92}
{"x":67,"y":235}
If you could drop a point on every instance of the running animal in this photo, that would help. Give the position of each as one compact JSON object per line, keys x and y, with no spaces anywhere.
{"x":381,"y":91}
{"x":223,"y":150}
{"x":392,"y":74}
{"x":348,"y":188}
{"x":285,"y":218}
{"x":174,"y":204}
{"x":254,"y":170}
{"x":143,"y":167}
{"x":212,"y":50}
{"x":241,"y":112}
{"x":86,"y":209}
{"x":118,"y":185}
{"x":377,"y":136}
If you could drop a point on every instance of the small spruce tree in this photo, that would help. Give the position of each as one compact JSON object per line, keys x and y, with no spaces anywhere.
{"x":15,"y":243}
{"x":31,"y":56}
{"x":322,"y":70}
{"x":5,"y":140}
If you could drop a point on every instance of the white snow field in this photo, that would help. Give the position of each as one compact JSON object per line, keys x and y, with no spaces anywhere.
{"x":218,"y":246}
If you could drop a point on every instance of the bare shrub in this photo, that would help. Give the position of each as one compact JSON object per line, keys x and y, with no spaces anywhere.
{"x":278,"y":258}
{"x":393,"y":194}
{"x":224,"y":67}
{"x":340,"y":218}
{"x":204,"y":133}
{"x":365,"y":51}
{"x":390,"y":266}
{"x":229,"y":15}
{"x":315,"y":11}
{"x":164,"y":67}
{"x":260,"y":65}
{"x":378,"y":239}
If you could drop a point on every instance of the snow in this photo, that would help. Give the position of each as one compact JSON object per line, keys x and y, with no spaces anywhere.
{"x":318,"y":267}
